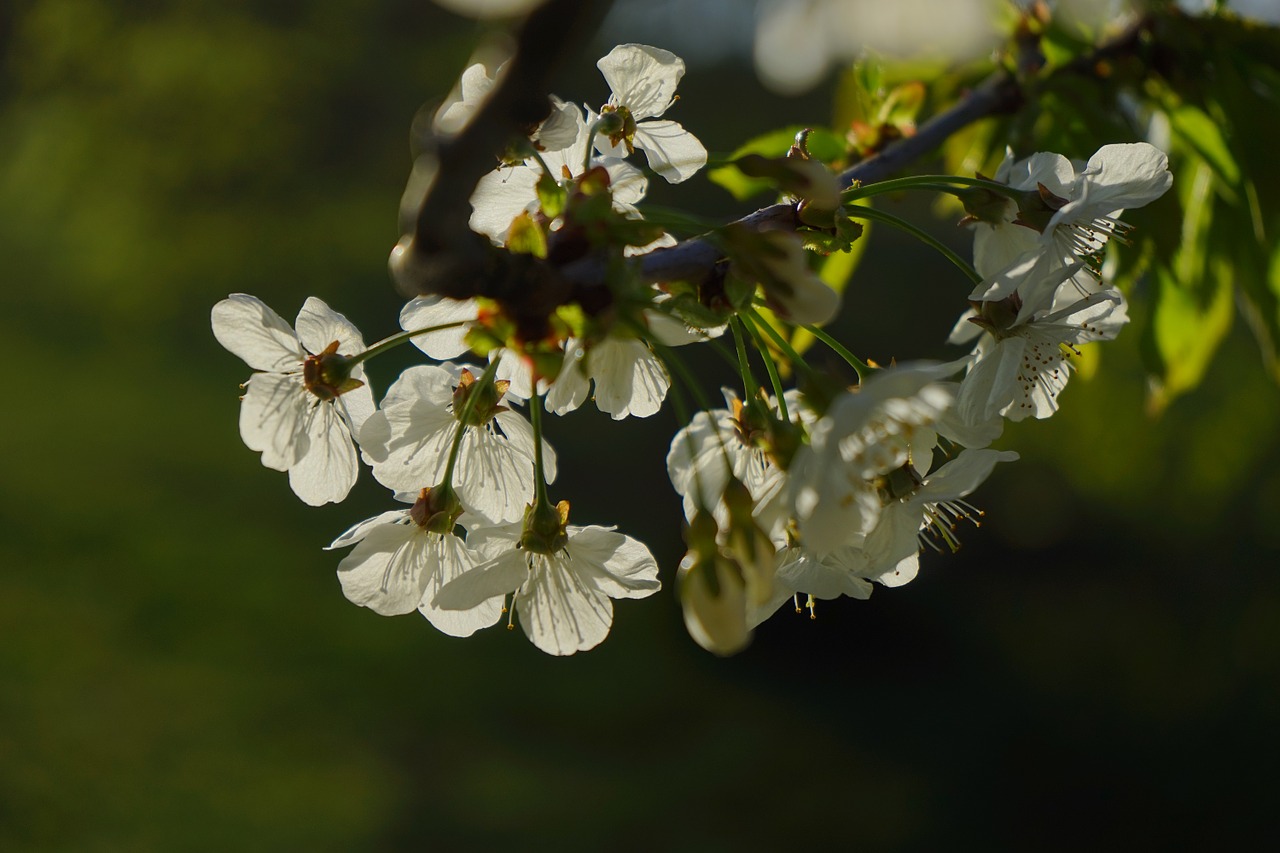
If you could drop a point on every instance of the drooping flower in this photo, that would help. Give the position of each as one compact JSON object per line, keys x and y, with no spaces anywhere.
{"x":561,"y":589}
{"x":925,"y":509}
{"x":1020,"y":363}
{"x":738,"y":441}
{"x":402,"y":559}
{"x":303,"y":407}
{"x":629,"y":379}
{"x":863,"y":436}
{"x":642,"y":82}
{"x":409,"y":439}
{"x":1064,"y":218}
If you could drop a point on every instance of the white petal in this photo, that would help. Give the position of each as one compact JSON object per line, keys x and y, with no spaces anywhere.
{"x":273,"y":418}
{"x":319,"y":325}
{"x":520,"y":434}
{"x":427,"y":311}
{"x":1052,"y":170}
{"x":500,"y":197}
{"x":1126,"y":176}
{"x":996,"y":247}
{"x":627,"y":182}
{"x":514,"y":369}
{"x":990,"y":384}
{"x":356,"y":406}
{"x":386,"y":571}
{"x":247,"y":327}
{"x":825,"y":578}
{"x":467,"y":96}
{"x":328,"y":470}
{"x":493,"y":477}
{"x":358,"y":531}
{"x":450,"y":559}
{"x":962,"y":475}
{"x":903,"y":573}
{"x":560,"y":611}
{"x":673,"y":152}
{"x":642,"y":78}
{"x":572,"y":387}
{"x":620,"y":566}
{"x":629,"y":378}
{"x":562,"y":128}
{"x":495,"y":577}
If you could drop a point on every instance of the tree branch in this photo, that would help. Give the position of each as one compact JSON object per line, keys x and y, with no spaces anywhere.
{"x":693,"y":258}
{"x":444,"y":256}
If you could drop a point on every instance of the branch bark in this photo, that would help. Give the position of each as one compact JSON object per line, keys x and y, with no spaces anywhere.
{"x":444,"y":256}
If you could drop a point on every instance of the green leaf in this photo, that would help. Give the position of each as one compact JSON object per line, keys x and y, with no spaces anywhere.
{"x":824,"y":145}
{"x":1193,"y":298}
{"x":1204,"y":135}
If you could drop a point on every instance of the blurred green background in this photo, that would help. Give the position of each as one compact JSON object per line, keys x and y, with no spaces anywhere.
{"x":179,"y":670}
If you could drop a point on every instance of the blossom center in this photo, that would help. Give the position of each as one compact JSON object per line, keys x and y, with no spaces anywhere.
{"x":627,"y":133}
{"x":328,"y":374}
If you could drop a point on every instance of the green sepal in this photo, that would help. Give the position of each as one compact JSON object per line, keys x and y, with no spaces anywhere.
{"x":551,"y":196}
{"x":527,"y":236}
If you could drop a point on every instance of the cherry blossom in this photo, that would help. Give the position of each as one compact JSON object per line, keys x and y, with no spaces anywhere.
{"x":643,"y":81}
{"x":408,"y":442}
{"x":303,"y":407}
{"x":561,"y":597}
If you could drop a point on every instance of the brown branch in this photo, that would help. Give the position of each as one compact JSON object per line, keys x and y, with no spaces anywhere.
{"x":444,"y":256}
{"x":693,"y":258}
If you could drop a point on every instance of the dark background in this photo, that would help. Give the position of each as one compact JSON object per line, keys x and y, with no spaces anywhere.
{"x":179,"y":670}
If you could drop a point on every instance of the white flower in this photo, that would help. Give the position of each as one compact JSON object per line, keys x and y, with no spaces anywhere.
{"x":643,"y":82}
{"x":845,"y":571}
{"x":922,"y":509}
{"x":629,"y":378}
{"x":408,"y":442}
{"x":1066,"y":216}
{"x":305,"y":405}
{"x":700,"y":450}
{"x":507,"y":192}
{"x":561,"y":599}
{"x":1020,"y":365}
{"x":402,"y":559}
{"x":472,"y":90}
{"x":864,"y":435}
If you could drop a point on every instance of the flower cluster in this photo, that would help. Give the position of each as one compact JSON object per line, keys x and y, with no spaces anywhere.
{"x":797,"y":494}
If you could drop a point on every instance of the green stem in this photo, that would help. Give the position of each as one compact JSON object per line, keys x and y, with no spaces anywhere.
{"x":464,"y":416}
{"x":546,"y":170}
{"x":860,"y":367}
{"x":399,"y":338}
{"x":857,"y":211}
{"x":769,"y":365}
{"x":797,"y":360}
{"x":744,"y":367}
{"x":927,"y":182}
